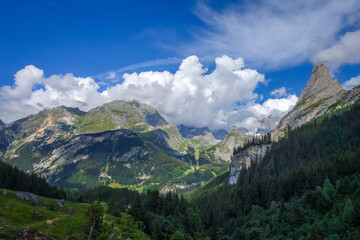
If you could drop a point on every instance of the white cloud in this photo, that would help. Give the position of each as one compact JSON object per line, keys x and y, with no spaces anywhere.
{"x":191,"y":96}
{"x":250,"y":115}
{"x":280,"y":92}
{"x":346,"y":50}
{"x":24,"y":81}
{"x":353,"y":82}
{"x":57,"y":90}
{"x":276,"y":107}
{"x":270,"y":34}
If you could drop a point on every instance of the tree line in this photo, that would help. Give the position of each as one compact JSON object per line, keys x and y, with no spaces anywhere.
{"x":316,"y":155}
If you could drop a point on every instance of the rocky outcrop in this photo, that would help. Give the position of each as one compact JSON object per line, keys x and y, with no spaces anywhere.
{"x":267,"y":124}
{"x":27,"y":196}
{"x":244,"y":158}
{"x":60,"y":203}
{"x":225,"y":148}
{"x":190,"y":132}
{"x":210,"y":139}
{"x":320,"y":94}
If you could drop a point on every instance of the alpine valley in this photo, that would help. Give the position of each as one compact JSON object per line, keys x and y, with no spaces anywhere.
{"x":119,"y":144}
{"x":297,"y":177}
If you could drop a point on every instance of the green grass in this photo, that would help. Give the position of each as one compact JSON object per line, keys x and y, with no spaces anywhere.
{"x":95,"y":123}
{"x":131,"y":187}
{"x":16,"y":214}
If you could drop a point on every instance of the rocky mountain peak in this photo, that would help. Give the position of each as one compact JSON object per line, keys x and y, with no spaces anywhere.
{"x":320,"y":93}
{"x":267,"y":124}
{"x":235,"y":129}
{"x":190,"y":132}
{"x":320,"y":85}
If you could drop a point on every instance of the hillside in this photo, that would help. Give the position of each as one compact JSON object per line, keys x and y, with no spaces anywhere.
{"x":53,"y":219}
{"x":119,"y":144}
{"x":304,"y":186}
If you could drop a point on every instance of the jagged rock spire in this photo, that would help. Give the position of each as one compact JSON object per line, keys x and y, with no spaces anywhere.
{"x":320,"y":85}
{"x":321,"y":91}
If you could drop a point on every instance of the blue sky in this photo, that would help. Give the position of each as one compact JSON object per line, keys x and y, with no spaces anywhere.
{"x":106,"y":39}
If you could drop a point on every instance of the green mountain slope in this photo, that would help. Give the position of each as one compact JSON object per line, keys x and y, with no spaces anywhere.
{"x":296,"y":191}
{"x":118,"y":144}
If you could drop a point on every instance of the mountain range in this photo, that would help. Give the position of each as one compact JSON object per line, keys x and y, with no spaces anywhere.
{"x":130,"y":144}
{"x":117,"y":144}
{"x":296,"y":178}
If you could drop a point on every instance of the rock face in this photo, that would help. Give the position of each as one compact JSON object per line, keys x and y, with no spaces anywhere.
{"x":321,"y":92}
{"x":225,"y":148}
{"x":244,"y":159}
{"x":268,"y":123}
{"x":322,"y":95}
{"x":27,"y":196}
{"x":190,"y":132}
{"x":201,"y":138}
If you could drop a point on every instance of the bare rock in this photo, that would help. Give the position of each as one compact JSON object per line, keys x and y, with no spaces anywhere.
{"x":243,"y":159}
{"x":321,"y":92}
{"x":60,"y":203}
{"x":27,"y":196}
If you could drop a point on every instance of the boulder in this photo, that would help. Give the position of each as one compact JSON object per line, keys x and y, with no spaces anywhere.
{"x":60,"y":203}
{"x":27,"y":196}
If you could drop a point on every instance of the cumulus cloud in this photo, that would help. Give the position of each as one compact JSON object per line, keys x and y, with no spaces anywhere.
{"x":346,"y":50}
{"x":22,"y":99}
{"x":249,"y":116}
{"x":191,"y":96}
{"x":280,"y":92}
{"x":353,"y":82}
{"x":24,"y":81}
{"x":270,"y":34}
{"x":276,"y":107}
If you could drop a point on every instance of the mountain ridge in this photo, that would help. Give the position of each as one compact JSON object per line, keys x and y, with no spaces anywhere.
{"x":321,"y":96}
{"x":67,"y":146}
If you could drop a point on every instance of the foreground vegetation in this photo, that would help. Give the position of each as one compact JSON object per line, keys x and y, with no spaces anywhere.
{"x":99,"y":213}
{"x":306,"y":187}
{"x":70,"y":222}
